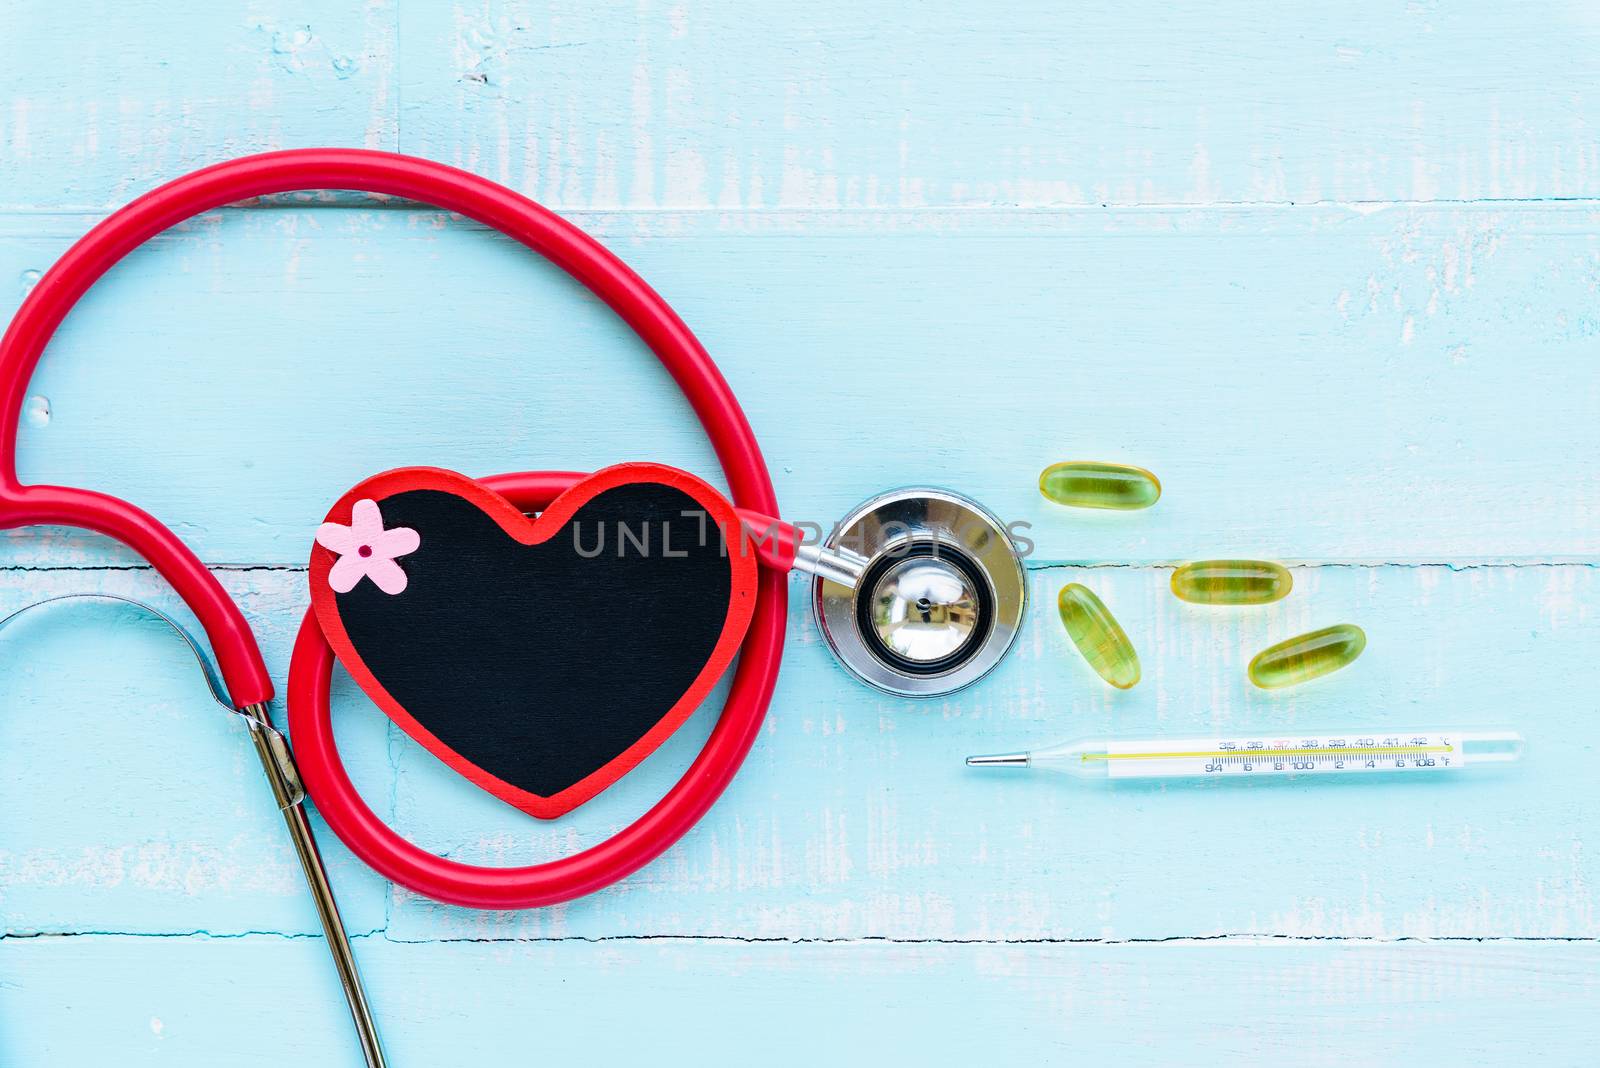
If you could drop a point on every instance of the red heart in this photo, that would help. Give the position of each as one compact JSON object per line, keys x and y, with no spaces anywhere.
{"x":541,"y":667}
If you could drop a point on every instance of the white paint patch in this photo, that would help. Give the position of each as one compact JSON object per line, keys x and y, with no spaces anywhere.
{"x":18,"y":145}
{"x":643,"y":191}
{"x":686,"y":179}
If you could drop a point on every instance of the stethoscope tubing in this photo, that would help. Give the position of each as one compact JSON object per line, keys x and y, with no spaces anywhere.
{"x":296,"y":170}
{"x":238,"y":655}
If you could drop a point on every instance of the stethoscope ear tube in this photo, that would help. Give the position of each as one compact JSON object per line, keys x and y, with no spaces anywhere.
{"x":219,"y":693}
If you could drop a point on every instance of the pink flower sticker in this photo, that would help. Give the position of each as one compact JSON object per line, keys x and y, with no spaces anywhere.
{"x":366,"y":550}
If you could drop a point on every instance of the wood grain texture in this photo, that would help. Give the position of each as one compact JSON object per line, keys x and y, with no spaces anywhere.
{"x":1331,"y":273}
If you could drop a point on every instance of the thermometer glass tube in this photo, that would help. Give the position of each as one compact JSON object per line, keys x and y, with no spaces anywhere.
{"x":1409,"y":752}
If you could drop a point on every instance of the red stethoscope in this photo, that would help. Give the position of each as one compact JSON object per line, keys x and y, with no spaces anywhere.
{"x":896,"y":658}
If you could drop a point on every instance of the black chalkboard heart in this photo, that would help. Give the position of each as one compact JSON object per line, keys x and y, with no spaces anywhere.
{"x":542,"y":658}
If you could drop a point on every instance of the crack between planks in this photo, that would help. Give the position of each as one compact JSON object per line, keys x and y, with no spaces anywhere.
{"x":343,"y":200}
{"x":1452,"y":565}
{"x":287,"y":936}
{"x":1033,"y":566}
{"x":1239,"y":936}
{"x":383,"y":934}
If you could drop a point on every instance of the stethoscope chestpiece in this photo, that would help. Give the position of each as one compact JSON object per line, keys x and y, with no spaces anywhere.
{"x":938,"y":595}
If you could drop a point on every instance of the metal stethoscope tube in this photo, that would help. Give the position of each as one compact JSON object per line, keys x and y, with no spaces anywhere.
{"x":277,"y":762}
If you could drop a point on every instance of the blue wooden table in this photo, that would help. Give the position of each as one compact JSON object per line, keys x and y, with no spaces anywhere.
{"x":1333,"y":273}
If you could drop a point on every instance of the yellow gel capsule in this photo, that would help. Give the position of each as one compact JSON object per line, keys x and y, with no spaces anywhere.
{"x":1098,"y":636}
{"x":1231,"y":582}
{"x":1092,"y":485}
{"x":1307,"y":657}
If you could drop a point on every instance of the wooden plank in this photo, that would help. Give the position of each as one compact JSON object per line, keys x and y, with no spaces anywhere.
{"x":256,"y":1001}
{"x":773,"y":105}
{"x":1317,"y":385}
{"x":854,"y":816}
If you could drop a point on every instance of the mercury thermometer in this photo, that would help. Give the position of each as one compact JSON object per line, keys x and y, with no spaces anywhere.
{"x":1268,"y":756}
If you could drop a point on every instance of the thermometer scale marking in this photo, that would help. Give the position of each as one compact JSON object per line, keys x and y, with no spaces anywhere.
{"x":1280,"y":756}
